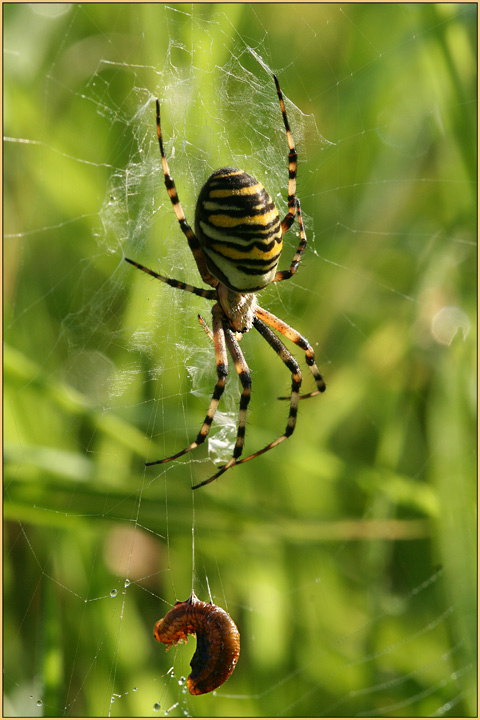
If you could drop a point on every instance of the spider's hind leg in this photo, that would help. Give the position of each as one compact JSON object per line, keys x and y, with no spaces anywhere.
{"x":244,"y":375}
{"x":294,"y":368}
{"x":218,"y":336}
{"x":295,"y":337}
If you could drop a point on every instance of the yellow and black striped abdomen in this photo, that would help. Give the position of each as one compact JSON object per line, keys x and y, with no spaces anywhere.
{"x":239,"y":230}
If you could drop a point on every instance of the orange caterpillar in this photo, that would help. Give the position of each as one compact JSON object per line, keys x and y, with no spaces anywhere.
{"x":218,"y":641}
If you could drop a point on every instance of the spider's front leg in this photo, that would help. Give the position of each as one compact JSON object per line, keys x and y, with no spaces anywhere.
{"x":287,"y":274}
{"x":222,"y":370}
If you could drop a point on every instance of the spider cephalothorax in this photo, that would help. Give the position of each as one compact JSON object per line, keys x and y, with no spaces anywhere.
{"x":237,"y":244}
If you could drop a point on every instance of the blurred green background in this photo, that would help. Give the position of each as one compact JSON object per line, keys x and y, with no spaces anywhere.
{"x":347,"y":556}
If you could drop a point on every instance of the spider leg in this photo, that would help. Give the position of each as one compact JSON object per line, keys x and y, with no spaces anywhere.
{"x":292,"y":165}
{"x":238,"y":335}
{"x":205,"y":327}
{"x":209,"y":294}
{"x":293,"y":202}
{"x":299,"y":340}
{"x":244,"y":375}
{"x":192,"y":240}
{"x":287,"y":274}
{"x":222,"y":369}
{"x":294,"y":368}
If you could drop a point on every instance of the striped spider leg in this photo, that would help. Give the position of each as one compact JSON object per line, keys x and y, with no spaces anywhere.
{"x":262,"y":317}
{"x":236,"y":245}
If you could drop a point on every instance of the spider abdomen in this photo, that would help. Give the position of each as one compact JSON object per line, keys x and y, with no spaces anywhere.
{"x":239,"y":230}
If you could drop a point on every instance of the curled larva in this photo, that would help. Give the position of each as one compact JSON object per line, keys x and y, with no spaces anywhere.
{"x":218,"y":641}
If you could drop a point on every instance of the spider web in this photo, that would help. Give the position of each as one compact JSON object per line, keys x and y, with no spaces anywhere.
{"x":346,"y":556}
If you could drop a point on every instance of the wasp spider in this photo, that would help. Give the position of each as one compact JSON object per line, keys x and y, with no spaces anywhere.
{"x":237,"y":244}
